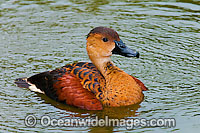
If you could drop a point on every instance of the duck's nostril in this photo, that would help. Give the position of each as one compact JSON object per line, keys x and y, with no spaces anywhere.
{"x":137,"y":54}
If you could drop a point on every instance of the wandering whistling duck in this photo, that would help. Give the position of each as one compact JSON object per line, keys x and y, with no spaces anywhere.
{"x":91,"y":85}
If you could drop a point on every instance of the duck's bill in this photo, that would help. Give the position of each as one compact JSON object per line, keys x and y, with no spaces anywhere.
{"x":122,"y":49}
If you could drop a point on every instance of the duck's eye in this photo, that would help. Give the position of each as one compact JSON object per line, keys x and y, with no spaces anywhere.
{"x":105,"y":39}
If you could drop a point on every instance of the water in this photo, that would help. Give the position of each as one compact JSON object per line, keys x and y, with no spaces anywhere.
{"x":36,"y":36}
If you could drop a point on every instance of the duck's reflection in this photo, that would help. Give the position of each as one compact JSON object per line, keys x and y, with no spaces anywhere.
{"x":110,"y":112}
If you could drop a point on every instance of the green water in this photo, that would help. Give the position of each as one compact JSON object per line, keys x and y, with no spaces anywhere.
{"x":41,"y":35}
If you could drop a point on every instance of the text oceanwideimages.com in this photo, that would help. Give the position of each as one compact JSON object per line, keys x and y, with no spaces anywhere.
{"x":129,"y":123}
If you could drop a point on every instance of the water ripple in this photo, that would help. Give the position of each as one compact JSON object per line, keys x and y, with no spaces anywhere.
{"x":39,"y":35}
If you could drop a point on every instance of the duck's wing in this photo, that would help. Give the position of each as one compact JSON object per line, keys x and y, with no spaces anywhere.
{"x":143,"y":87}
{"x":66,"y":84}
{"x":89,"y":76}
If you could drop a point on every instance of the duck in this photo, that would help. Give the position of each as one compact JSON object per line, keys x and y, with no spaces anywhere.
{"x":95,"y":85}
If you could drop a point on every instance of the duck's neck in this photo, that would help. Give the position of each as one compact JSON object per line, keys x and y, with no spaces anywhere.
{"x":104,"y":65}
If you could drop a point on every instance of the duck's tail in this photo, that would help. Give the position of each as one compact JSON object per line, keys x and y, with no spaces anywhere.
{"x":23,"y":83}
{"x":63,"y":87}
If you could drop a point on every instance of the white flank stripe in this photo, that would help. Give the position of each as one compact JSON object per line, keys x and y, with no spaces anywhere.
{"x":32,"y":87}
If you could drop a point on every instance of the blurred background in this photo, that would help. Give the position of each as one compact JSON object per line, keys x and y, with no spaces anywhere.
{"x":41,"y":35}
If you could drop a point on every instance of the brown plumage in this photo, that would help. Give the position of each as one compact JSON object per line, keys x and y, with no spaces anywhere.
{"x":91,"y":85}
{"x":69,"y":89}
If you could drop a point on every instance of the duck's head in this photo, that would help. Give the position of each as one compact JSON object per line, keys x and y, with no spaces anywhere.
{"x":102,"y":42}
